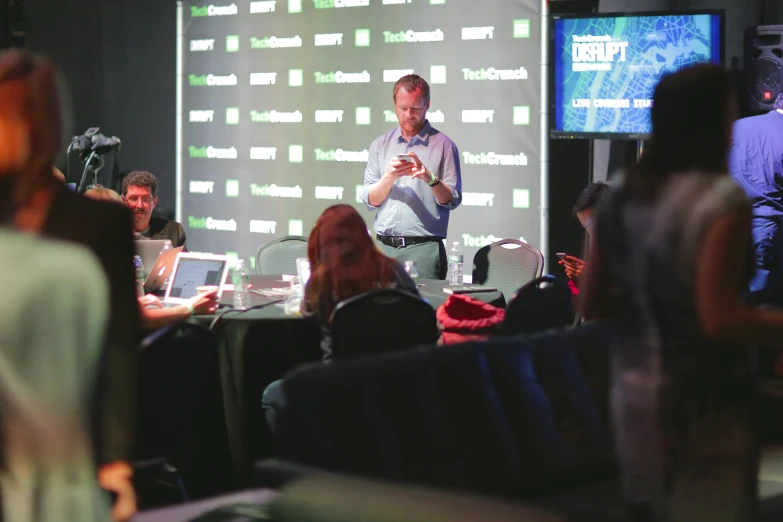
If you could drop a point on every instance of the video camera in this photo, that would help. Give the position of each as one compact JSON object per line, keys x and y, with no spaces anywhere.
{"x":91,"y":146}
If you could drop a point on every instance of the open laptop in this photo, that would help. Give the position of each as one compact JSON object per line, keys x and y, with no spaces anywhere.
{"x":194,"y":270}
{"x":149,"y":250}
{"x":161,"y":270}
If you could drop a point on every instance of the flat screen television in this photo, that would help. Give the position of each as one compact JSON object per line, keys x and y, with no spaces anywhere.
{"x":605,"y":67}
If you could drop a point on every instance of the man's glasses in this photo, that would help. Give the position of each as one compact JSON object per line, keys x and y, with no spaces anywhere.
{"x":133,"y":200}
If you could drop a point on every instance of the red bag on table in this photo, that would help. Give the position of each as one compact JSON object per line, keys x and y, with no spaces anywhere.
{"x":463,"y":318}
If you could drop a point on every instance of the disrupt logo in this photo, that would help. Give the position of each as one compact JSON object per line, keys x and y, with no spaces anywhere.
{"x":210,"y":80}
{"x":329,"y":192}
{"x":201,"y":187}
{"x":324,"y":116}
{"x":392,"y":75}
{"x":481,"y":241}
{"x":267,"y":6}
{"x":263,"y":153}
{"x":212,"y":152}
{"x":478,"y":33}
{"x":478,"y":116}
{"x":263,"y":78}
{"x":329,"y":4}
{"x":273,"y":191}
{"x":477,"y":199}
{"x":342,"y":155}
{"x":490,"y":158}
{"x":201,"y":116}
{"x":202,"y":45}
{"x":493,"y":74}
{"x":214,"y":10}
{"x":328,"y":39}
{"x":411,"y":36}
{"x":433,"y":117}
{"x":275,"y":117}
{"x":274,"y":42}
{"x":262,"y":227}
{"x":208,"y":223}
{"x":592,"y":49}
{"x":342,"y":77}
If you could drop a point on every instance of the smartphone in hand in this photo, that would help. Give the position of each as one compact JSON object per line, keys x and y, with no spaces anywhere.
{"x":404,"y":157}
{"x":561,"y":255}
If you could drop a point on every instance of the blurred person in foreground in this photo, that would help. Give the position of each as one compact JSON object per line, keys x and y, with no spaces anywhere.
{"x":669,"y":266}
{"x":49,"y":356}
{"x":153,"y":314}
{"x":34,"y":202}
{"x":583,"y":211}
{"x":140,"y":193}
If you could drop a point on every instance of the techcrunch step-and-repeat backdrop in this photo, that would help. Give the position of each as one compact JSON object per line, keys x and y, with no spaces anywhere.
{"x":282,"y":98}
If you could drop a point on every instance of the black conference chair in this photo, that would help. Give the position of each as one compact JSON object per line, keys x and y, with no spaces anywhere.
{"x":543,"y":304}
{"x":507,"y":264}
{"x":381,"y":321}
{"x":279,"y":256}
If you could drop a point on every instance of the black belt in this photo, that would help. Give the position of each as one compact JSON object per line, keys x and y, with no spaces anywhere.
{"x":403,"y":241}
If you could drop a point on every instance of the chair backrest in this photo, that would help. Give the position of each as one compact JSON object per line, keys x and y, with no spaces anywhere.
{"x":507,"y":265}
{"x":381,"y":321}
{"x":542,"y":304}
{"x":279,"y":256}
{"x":510,"y":416}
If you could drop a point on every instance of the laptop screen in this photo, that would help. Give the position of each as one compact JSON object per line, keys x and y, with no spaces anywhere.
{"x":192,"y":273}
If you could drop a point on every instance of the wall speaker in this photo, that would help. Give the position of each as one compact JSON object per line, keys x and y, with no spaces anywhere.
{"x":763,"y":65}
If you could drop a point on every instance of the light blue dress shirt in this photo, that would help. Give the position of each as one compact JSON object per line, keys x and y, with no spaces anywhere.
{"x":411,"y":209}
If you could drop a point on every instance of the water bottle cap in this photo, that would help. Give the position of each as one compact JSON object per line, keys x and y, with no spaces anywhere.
{"x":456,"y":243}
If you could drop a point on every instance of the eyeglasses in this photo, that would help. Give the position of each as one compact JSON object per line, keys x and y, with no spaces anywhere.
{"x":147,"y":200}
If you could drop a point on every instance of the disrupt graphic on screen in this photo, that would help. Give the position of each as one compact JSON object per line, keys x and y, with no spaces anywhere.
{"x":282,"y":98}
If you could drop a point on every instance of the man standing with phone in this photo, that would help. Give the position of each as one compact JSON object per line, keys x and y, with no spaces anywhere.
{"x":413,"y":180}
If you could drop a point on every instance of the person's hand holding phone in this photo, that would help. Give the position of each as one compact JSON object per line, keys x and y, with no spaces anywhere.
{"x":573,"y":266}
{"x":401,"y":165}
{"x":419,"y":171}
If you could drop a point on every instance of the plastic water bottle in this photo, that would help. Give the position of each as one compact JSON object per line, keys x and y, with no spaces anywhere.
{"x":410,"y":269}
{"x":166,"y":246}
{"x":140,"y":277}
{"x":455,"y":265}
{"x":241,"y":280}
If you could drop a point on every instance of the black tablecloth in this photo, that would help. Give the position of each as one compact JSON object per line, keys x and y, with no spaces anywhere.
{"x":260,"y":345}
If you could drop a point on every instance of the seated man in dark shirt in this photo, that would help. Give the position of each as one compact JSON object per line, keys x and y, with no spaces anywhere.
{"x":140,"y":193}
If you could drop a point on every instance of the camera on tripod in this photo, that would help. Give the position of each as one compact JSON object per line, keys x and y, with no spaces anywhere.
{"x":91,"y":146}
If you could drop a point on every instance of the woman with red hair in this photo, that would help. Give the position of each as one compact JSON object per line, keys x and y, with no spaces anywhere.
{"x":345,"y":262}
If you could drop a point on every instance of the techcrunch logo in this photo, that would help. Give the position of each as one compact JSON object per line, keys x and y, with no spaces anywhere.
{"x":262,"y":227}
{"x":324,"y":116}
{"x":392,"y":75}
{"x":478,"y":116}
{"x":330,"y":4}
{"x":212,"y":152}
{"x":481,"y":241}
{"x":263,"y":153}
{"x":326,"y":39}
{"x":342,"y":155}
{"x":342,"y":77}
{"x":214,"y":10}
{"x":433,"y":117}
{"x":329,"y":192}
{"x":273,"y":191}
{"x":411,"y":36}
{"x":493,"y":74}
{"x":201,"y":187}
{"x":478,"y":33}
{"x":478,"y":199}
{"x":208,"y":223}
{"x":202,"y":45}
{"x":263,"y":78}
{"x":201,"y":116}
{"x":275,"y":117}
{"x":210,"y":80}
{"x":267,"y":6}
{"x":274,"y":42}
{"x":491,"y":158}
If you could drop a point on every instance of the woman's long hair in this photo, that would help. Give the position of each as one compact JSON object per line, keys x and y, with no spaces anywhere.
{"x":691,"y":117}
{"x":344,"y":260}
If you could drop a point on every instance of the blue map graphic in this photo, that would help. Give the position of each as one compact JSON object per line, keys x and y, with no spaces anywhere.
{"x":657,"y":45}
